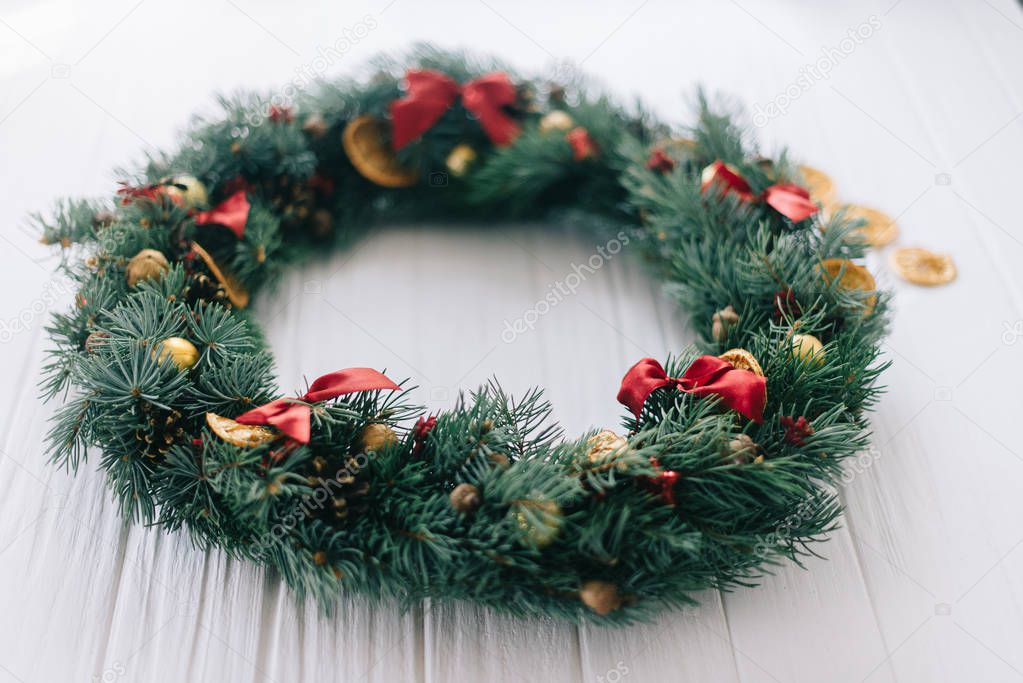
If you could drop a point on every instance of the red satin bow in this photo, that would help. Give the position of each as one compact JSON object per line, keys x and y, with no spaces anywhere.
{"x":292,"y":416}
{"x":232,"y":213}
{"x":788,"y":199}
{"x":740,"y":390}
{"x":431,"y":93}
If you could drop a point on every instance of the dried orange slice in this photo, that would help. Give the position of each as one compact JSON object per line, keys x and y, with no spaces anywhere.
{"x":742,"y":360}
{"x":878,"y":229}
{"x":236,"y":292}
{"x":819,"y":184}
{"x":851,"y":276}
{"x":237,"y":434}
{"x":364,"y":140}
{"x":923,"y":267}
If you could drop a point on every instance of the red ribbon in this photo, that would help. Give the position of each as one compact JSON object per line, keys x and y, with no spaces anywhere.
{"x":788,"y":199}
{"x":232,"y":213}
{"x":293,"y":416}
{"x":431,"y":93}
{"x":740,"y":390}
{"x":583,"y":146}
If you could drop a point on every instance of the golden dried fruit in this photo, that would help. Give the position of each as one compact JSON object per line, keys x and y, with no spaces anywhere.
{"x":600,"y":596}
{"x":820,"y":185}
{"x":364,"y":141}
{"x":850,"y":276}
{"x":181,"y":351}
{"x":743,"y":360}
{"x":376,"y":437}
{"x":808,"y":348}
{"x":148,"y":264}
{"x":235,"y":290}
{"x":556,"y":120}
{"x":237,"y":434}
{"x":879,"y":228}
{"x":923,"y":267}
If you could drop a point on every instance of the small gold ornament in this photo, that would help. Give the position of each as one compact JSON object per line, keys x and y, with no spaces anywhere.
{"x":878,"y":229}
{"x":148,"y":264}
{"x":465,"y":498}
{"x":181,"y":351}
{"x":808,"y":349}
{"x":235,"y":290}
{"x":923,"y":267}
{"x":364,"y":141}
{"x":186,"y":190}
{"x":538,"y":526}
{"x":600,"y":596}
{"x":460,"y":159}
{"x":315,"y":126}
{"x":376,"y":436}
{"x":237,"y":434}
{"x":741,"y":449}
{"x":604,"y":447}
{"x":723,"y":321}
{"x":742,"y":360}
{"x":850,"y":276}
{"x":556,"y":120}
{"x":820,"y":186}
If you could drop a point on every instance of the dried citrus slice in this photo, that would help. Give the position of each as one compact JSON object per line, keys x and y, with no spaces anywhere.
{"x":851,"y":276}
{"x":819,"y":184}
{"x":878,"y":229}
{"x":236,"y":292}
{"x":364,"y":140}
{"x":923,"y":267}
{"x":237,"y":434}
{"x":742,"y":360}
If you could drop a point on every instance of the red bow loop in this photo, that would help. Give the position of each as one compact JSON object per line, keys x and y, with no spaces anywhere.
{"x":788,"y":199}
{"x":791,"y":201}
{"x":431,"y":93}
{"x":740,"y":390}
{"x":232,"y":213}
{"x":640,"y":381}
{"x":486,"y":98}
{"x":293,"y":417}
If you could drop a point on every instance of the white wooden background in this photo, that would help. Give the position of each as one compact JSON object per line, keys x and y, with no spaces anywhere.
{"x":923,"y":119}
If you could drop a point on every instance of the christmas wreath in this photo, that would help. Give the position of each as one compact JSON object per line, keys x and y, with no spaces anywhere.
{"x":728,"y":454}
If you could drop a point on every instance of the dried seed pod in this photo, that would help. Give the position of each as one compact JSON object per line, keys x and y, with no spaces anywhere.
{"x":465,"y":498}
{"x":600,"y":596}
{"x":722,"y":321}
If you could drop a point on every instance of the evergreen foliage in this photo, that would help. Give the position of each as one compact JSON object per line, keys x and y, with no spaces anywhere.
{"x":549,"y":517}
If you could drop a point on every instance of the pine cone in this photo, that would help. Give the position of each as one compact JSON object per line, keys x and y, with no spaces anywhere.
{"x":339,"y":487}
{"x":162,"y":430}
